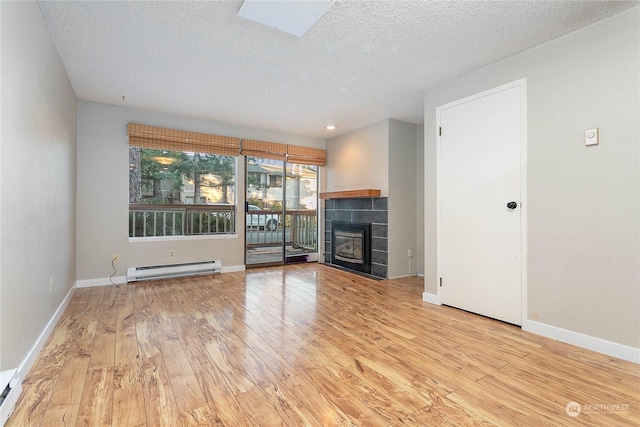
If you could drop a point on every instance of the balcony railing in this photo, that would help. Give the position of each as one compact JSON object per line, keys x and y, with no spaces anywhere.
{"x":147,"y":220}
{"x":304,"y":229}
{"x":264,"y":228}
{"x":299,"y":228}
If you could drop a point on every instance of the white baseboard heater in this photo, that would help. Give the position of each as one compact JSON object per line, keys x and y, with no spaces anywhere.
{"x":174,"y":270}
{"x":11,"y":387}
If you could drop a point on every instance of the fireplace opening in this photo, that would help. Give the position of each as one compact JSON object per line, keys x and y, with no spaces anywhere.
{"x":351,"y":246}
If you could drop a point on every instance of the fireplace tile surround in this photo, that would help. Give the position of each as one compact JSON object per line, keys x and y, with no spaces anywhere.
{"x":367,"y":210}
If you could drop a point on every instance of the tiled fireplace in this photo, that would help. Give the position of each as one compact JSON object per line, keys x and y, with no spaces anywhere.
{"x":351,"y":245}
{"x":351,"y":215}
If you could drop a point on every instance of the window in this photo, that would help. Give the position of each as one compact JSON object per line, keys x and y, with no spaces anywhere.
{"x":174,"y":192}
{"x":275,"y":181}
{"x":184,"y":183}
{"x":175,"y":177}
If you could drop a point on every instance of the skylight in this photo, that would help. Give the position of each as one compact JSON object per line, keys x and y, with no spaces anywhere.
{"x":291,"y":16}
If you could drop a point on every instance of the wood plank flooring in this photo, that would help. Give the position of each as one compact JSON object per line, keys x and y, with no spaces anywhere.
{"x":308,"y":345}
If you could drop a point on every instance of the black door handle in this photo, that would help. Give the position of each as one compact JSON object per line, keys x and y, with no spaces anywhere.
{"x":512,"y":205}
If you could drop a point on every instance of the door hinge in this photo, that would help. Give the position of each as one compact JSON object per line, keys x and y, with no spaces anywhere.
{"x":441,"y":282}
{"x":440,"y":131}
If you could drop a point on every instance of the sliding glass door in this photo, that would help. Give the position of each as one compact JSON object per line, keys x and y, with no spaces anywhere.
{"x":281,"y":212}
{"x":264,"y":211}
{"x":301,"y":213}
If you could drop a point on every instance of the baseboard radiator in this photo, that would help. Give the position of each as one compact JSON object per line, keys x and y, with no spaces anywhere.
{"x":10,"y":389}
{"x":135,"y":274}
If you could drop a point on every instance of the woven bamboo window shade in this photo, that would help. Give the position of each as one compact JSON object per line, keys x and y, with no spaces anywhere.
{"x":158,"y":138}
{"x":264,"y":149}
{"x":306,"y":155}
{"x":284,"y":152}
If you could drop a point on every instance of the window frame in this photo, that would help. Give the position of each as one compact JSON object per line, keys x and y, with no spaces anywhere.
{"x":214,"y":214}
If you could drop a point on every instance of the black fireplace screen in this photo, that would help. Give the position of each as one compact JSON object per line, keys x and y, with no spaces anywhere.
{"x":351,"y":245}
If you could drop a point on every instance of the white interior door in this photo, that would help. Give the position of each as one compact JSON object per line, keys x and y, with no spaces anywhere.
{"x":480,"y":174}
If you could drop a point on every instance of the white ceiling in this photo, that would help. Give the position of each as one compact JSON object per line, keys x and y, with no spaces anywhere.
{"x":364,"y":61}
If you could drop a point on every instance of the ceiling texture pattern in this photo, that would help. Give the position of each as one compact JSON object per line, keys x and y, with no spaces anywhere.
{"x":364,"y":61}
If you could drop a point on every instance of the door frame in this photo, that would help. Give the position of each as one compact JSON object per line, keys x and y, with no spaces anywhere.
{"x":312,"y":256}
{"x":282,"y":213}
{"x":522,"y":85}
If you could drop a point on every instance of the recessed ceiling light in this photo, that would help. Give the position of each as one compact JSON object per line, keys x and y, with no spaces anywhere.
{"x":330,"y":127}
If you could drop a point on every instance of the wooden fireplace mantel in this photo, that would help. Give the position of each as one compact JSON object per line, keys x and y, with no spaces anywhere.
{"x":350,"y":194}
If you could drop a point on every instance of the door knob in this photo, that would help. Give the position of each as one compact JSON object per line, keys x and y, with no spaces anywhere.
{"x":512,"y":205}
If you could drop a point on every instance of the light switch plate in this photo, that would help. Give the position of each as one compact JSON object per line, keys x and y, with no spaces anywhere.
{"x":591,"y":137}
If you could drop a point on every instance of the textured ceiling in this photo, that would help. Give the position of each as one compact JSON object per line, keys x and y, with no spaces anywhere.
{"x":364,"y":61}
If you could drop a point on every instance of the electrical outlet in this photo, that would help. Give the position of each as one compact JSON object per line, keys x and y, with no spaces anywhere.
{"x":51,"y":284}
{"x":116,"y":257}
{"x":172,"y":253}
{"x":410,"y":253}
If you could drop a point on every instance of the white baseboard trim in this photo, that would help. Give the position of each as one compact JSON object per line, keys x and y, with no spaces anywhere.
{"x":88,"y":283}
{"x":233,"y":268}
{"x":431,"y":298}
{"x":33,"y":353}
{"x":420,"y":274}
{"x":402,"y":276}
{"x":609,"y":348}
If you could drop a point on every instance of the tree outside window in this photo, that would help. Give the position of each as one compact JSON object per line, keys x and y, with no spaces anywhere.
{"x":176,"y":177}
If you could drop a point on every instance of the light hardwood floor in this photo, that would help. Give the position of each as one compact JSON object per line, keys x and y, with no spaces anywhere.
{"x":308,"y":345}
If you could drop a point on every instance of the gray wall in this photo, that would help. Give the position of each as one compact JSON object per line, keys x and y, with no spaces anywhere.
{"x":583,"y":202}
{"x":103,"y":188}
{"x":359,"y":159}
{"x":419,"y":252}
{"x":382,"y":156}
{"x":402,"y":198}
{"x":38,"y":180}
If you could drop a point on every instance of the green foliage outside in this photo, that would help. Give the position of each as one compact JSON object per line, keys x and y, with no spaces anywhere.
{"x":171,"y":168}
